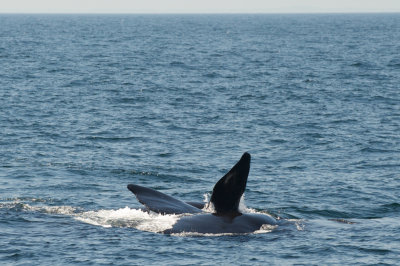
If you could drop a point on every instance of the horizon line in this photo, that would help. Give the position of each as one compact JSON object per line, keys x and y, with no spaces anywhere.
{"x":202,"y":13}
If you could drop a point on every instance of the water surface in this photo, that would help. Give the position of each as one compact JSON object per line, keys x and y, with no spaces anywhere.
{"x":91,"y":103}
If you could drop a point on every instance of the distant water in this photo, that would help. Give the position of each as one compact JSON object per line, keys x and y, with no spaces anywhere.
{"x":91,"y":103}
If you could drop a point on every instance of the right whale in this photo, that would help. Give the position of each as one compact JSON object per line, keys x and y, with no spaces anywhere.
{"x":225,"y":199}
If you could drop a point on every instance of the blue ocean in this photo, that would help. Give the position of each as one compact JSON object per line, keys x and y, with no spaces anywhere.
{"x":91,"y":103}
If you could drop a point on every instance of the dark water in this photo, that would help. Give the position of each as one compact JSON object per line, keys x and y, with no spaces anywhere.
{"x":89,"y":104}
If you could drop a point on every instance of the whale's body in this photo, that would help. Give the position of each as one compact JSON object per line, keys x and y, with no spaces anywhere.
{"x":225,"y":199}
{"x":220,"y":224}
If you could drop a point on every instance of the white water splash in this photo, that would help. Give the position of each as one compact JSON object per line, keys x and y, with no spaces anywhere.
{"x":127,"y":217}
{"x":18,"y":204}
{"x":124,"y":217}
{"x":265,"y":228}
{"x":206,"y":197}
{"x":298,"y":222}
{"x":64,"y":210}
{"x":204,"y":234}
{"x":242,"y":206}
{"x":209,"y":207}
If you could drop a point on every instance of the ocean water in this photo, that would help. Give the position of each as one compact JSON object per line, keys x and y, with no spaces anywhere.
{"x":91,"y":103}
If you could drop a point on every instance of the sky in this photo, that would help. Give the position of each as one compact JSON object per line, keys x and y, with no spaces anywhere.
{"x":198,"y":6}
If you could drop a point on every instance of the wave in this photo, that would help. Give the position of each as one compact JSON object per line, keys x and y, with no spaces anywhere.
{"x":123,"y":217}
{"x":266,"y":228}
{"x":119,"y":218}
{"x":131,"y":218}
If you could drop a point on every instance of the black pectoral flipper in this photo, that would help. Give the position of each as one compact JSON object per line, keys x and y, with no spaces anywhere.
{"x":160,"y":202}
{"x":230,"y":188}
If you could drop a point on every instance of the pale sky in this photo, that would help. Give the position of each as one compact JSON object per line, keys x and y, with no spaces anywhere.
{"x":197,"y":6}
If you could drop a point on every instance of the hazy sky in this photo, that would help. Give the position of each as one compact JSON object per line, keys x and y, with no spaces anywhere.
{"x":197,"y":6}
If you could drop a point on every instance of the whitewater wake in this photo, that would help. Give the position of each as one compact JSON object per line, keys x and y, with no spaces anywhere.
{"x":122,"y":218}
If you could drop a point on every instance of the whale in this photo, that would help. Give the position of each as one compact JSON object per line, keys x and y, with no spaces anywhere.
{"x":220,"y":215}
